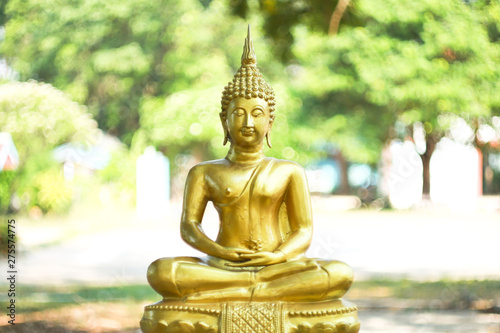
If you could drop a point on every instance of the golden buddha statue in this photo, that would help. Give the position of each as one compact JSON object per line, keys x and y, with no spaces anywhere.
{"x":258,"y":258}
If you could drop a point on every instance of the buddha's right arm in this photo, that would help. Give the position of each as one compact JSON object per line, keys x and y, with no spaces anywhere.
{"x":196,"y":197}
{"x":193,"y":234}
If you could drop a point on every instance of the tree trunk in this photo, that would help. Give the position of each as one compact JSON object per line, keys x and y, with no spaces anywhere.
{"x":480,"y":167}
{"x":344,"y":180}
{"x":426,"y":159}
{"x":337,"y":16}
{"x":486,"y":172}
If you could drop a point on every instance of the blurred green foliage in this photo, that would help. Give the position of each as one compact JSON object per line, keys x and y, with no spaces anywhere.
{"x":39,"y":182}
{"x":152,"y":72}
{"x":6,"y":183}
{"x":410,"y":62}
{"x":280,"y":17}
{"x":39,"y":118}
{"x":120,"y":173}
{"x":111,"y":56}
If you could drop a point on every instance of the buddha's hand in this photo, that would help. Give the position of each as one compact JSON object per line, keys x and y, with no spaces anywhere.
{"x":234,"y":254}
{"x":260,"y":259}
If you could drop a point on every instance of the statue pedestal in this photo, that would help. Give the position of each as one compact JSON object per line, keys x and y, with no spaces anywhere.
{"x":175,"y":316}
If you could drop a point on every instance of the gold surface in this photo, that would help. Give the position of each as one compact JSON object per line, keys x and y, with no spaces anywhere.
{"x":265,"y":227}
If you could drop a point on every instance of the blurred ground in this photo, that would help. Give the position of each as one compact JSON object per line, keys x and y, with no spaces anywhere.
{"x":100,"y":318}
{"x":112,"y":247}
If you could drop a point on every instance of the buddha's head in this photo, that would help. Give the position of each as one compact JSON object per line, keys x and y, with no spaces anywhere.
{"x":248,"y":103}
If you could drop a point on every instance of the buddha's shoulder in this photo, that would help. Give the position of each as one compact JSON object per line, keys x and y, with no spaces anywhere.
{"x":286,"y":165}
{"x":209,"y":166}
{"x":223,"y":165}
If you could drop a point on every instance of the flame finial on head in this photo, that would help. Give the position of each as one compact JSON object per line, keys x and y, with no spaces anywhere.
{"x":248,"y":58}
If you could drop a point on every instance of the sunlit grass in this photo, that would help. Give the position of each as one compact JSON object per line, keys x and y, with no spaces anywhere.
{"x":37,"y":298}
{"x":446,"y":291}
{"x":452,"y":294}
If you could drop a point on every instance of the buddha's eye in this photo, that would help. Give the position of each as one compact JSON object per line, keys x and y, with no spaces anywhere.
{"x":239,"y":113}
{"x":257,"y":113}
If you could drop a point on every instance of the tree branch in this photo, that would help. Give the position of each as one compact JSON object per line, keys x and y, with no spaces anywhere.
{"x":337,"y":16}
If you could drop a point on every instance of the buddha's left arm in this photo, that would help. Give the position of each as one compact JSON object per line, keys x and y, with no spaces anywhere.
{"x":298,"y":203}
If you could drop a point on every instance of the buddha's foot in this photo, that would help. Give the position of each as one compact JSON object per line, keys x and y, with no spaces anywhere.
{"x":273,"y":272}
{"x":261,"y":292}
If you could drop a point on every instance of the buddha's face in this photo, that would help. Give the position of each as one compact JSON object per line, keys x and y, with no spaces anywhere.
{"x":248,"y":121}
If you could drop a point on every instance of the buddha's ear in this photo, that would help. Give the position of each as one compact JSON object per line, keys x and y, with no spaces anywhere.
{"x":268,"y":134}
{"x":223,"y":120}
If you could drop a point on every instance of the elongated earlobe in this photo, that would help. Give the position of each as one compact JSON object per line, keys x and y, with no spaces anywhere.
{"x":268,"y":139}
{"x":224,"y":127}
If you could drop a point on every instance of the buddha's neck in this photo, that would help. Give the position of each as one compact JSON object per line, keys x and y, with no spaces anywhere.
{"x":245,"y":156}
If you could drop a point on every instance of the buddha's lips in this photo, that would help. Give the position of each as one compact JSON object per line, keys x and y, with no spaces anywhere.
{"x":247,"y":132}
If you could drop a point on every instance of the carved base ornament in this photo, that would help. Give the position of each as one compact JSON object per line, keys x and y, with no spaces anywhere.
{"x":335,"y":316}
{"x":255,"y":277}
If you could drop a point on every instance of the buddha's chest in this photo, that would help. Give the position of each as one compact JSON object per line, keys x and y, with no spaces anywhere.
{"x":229,"y":186}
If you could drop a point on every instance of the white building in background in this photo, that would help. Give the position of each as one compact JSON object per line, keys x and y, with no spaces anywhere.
{"x":455,"y":175}
{"x":153,"y":184}
{"x":403,"y":179}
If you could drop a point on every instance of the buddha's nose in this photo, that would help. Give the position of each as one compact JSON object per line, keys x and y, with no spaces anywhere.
{"x":248,"y":121}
